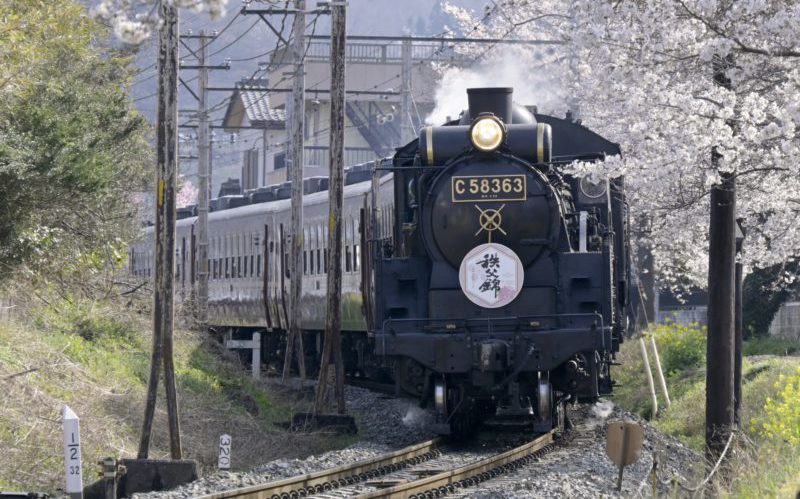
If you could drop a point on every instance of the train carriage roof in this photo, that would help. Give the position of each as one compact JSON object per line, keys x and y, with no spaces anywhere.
{"x":352,"y":190}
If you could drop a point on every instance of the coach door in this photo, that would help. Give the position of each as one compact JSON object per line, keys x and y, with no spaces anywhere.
{"x":266,"y":277}
{"x":284,"y":271}
{"x":193,"y":258}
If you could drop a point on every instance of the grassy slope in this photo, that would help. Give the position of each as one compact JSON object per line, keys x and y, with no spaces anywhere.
{"x":96,"y":360}
{"x":771,"y":469}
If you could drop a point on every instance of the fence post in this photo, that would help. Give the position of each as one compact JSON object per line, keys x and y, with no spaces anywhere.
{"x":72,"y":454}
{"x":256,"y":355}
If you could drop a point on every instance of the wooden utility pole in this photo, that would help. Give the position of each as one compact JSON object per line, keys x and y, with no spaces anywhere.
{"x":294,"y":341}
{"x":721,"y":272}
{"x":332,"y":349}
{"x":167,"y":163}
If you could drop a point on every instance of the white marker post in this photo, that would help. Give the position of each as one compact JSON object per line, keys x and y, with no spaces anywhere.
{"x":72,"y":454}
{"x":224,"y":460}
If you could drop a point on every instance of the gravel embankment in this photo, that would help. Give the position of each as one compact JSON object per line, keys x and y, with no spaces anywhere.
{"x":580,"y":469}
{"x":385,"y":424}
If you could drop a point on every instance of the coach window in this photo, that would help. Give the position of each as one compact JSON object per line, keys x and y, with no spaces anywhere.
{"x":242,"y":252}
{"x":234,"y":254}
{"x":320,"y":244}
{"x":211,"y":260}
{"x":246,"y":254}
{"x":226,"y":257}
{"x":305,"y":250}
{"x":215,"y":258}
{"x":253,"y":239}
{"x":356,"y":245}
{"x":259,"y":253}
{"x":219,"y":257}
{"x":312,"y":243}
{"x":238,"y":273}
{"x":347,"y":265}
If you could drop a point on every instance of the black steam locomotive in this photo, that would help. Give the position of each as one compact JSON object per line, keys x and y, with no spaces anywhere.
{"x":478,"y":276}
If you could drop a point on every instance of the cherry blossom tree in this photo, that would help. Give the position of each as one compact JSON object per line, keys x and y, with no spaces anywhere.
{"x":133,"y":21}
{"x":641,"y":73}
{"x":187,"y":193}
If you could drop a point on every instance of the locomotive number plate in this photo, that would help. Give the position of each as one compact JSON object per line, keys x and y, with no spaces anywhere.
{"x":472,"y":188}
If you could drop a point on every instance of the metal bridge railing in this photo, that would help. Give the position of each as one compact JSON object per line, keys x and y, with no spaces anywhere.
{"x":380,"y":53}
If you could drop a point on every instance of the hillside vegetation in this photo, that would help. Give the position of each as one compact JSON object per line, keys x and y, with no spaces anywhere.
{"x":94,"y":357}
{"x":766,"y":460}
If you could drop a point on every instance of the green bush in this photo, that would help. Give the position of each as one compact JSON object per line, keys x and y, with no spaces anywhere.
{"x":781,"y":418}
{"x":87,"y":319}
{"x":681,"y":347}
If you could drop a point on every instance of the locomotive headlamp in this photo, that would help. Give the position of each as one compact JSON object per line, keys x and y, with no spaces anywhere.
{"x":487,"y":133}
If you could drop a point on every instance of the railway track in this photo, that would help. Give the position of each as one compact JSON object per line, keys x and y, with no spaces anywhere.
{"x":308,"y":484}
{"x":442,"y":471}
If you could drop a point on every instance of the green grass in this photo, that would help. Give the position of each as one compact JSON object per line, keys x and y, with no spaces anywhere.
{"x":774,"y":472}
{"x":769,"y":467}
{"x":95,"y":357}
{"x":767,"y":345}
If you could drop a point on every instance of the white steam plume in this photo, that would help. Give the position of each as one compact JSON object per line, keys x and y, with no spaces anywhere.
{"x":508,"y":68}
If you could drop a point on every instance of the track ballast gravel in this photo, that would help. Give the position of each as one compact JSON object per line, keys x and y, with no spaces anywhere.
{"x":579,"y":469}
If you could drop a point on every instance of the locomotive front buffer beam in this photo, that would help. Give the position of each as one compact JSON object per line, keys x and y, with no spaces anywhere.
{"x":485,"y":361}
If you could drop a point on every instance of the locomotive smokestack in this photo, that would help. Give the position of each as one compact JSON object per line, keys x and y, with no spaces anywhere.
{"x":495,"y":100}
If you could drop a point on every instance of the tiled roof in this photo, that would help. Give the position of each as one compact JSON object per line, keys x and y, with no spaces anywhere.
{"x":259,"y":111}
{"x":250,"y":105}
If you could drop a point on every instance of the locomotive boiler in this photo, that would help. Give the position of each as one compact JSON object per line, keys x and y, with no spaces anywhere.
{"x":503,"y":294}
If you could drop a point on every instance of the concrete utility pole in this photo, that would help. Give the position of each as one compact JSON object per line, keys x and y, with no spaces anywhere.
{"x":721,"y":272}
{"x":332,"y":350}
{"x":406,"y":128}
{"x":203,"y":170}
{"x":203,"y":195}
{"x":294,"y":342}
{"x":167,"y":163}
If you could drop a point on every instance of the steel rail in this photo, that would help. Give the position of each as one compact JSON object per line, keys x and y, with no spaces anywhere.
{"x":477,"y":471}
{"x":334,"y":477}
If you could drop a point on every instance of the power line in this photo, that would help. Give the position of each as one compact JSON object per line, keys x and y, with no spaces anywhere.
{"x":156,"y":92}
{"x":241,"y":35}
{"x":225,"y":28}
{"x":226,"y":100}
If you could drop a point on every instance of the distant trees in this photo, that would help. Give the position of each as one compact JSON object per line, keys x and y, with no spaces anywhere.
{"x":72,"y":147}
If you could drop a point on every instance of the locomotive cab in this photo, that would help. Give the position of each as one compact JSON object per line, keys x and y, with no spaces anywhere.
{"x":500,"y":298}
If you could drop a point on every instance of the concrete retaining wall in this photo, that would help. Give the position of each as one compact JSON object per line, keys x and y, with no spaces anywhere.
{"x":786,"y":323}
